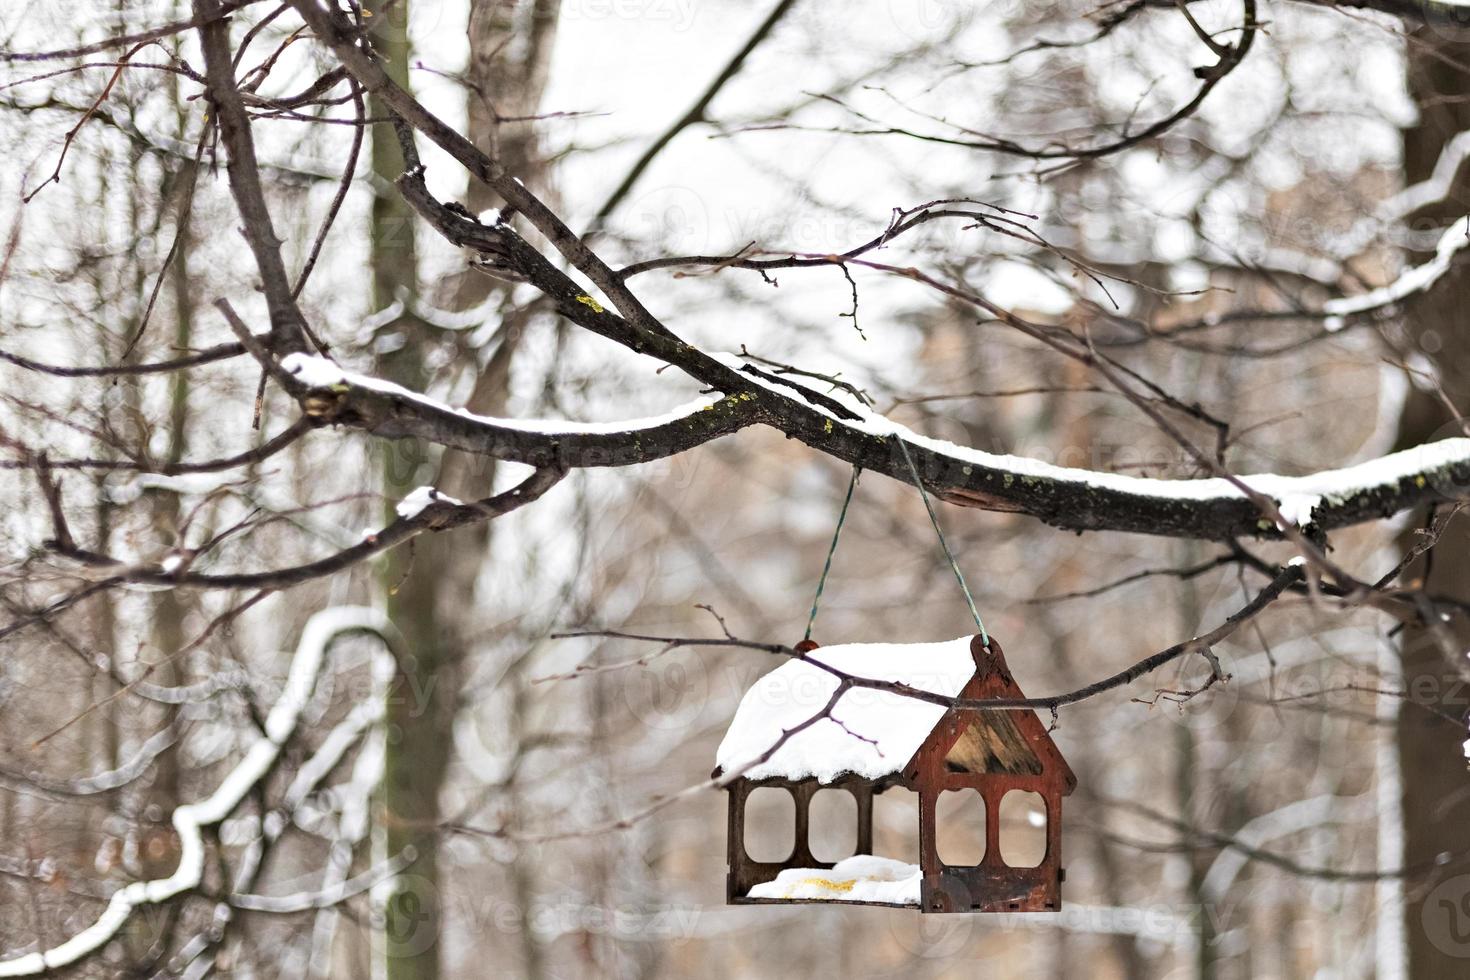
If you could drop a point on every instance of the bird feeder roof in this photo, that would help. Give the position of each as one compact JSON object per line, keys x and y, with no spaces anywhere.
{"x":868,"y":733}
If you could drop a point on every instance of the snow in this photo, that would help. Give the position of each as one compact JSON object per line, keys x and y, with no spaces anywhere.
{"x":374,"y":322}
{"x":413,"y":504}
{"x":313,"y":371}
{"x":1296,"y":508}
{"x":1301,"y":495}
{"x":879,"y":731}
{"x":860,"y":878}
{"x":1329,"y":485}
{"x":470,"y":319}
{"x":1413,"y":280}
{"x":187,"y":484}
{"x":102,"y":782}
{"x":189,"y":819}
{"x":1436,"y":188}
{"x":334,"y":894}
{"x":318,"y":372}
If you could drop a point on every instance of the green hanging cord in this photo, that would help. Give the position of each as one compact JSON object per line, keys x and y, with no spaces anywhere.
{"x":822,"y":582}
{"x":934,"y":519}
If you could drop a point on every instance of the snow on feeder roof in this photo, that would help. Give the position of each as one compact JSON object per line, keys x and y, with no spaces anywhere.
{"x":868,"y":733}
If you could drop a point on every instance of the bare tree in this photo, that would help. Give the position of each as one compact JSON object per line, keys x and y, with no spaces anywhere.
{"x":1141,"y":240}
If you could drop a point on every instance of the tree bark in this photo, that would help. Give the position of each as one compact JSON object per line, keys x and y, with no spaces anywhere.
{"x":417,"y":716}
{"x":432,"y":594}
{"x":1436,"y":790}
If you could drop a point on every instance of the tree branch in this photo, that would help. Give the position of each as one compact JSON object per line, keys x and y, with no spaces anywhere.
{"x":190,"y":819}
{"x":288,"y":327}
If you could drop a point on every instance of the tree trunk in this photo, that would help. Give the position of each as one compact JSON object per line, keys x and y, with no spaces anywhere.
{"x":416,"y":717}
{"x":1436,"y":790}
{"x":432,"y":596}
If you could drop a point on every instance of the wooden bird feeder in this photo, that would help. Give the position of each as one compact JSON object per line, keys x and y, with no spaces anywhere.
{"x":874,"y":740}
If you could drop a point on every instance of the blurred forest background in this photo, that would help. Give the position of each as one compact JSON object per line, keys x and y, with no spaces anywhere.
{"x":1304,"y":820}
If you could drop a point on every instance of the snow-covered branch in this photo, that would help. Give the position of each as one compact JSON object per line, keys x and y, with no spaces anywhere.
{"x":1416,"y":279}
{"x":1414,"y":11}
{"x":332,"y":894}
{"x":426,"y":511}
{"x":190,"y":819}
{"x":102,"y":782}
{"x":1063,"y":496}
